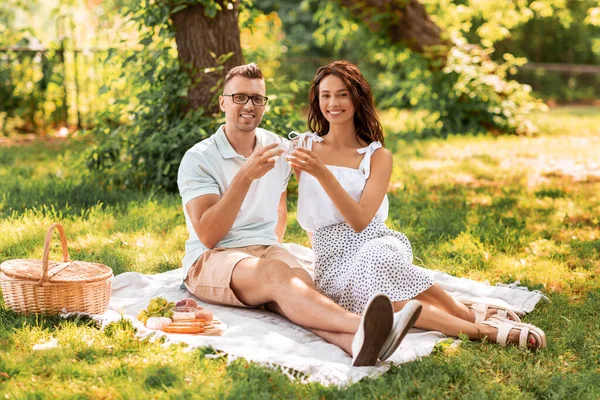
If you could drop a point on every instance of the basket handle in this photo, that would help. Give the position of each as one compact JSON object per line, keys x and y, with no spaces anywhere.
{"x":65,"y":250}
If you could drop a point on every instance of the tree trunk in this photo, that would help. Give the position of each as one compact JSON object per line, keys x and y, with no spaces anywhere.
{"x":405,"y":21}
{"x":201,"y":40}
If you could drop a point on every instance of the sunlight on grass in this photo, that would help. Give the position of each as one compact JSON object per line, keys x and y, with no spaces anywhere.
{"x":498,"y":209}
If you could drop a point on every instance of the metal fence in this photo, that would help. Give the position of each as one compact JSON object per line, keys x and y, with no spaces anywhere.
{"x":562,"y":82}
{"x":58,"y":87}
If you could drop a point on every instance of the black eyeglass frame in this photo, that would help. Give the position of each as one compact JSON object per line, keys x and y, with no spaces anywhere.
{"x":248,"y":98}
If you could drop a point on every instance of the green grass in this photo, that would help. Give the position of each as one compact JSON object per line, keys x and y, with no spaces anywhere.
{"x":497,"y":209}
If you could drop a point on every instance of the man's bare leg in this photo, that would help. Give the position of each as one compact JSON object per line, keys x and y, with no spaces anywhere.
{"x":342,"y":340}
{"x":258,"y":281}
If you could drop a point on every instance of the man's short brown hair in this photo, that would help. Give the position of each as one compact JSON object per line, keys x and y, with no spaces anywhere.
{"x":250,"y":71}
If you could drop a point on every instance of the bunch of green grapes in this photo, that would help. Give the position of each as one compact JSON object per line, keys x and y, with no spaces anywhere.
{"x":157,"y":307}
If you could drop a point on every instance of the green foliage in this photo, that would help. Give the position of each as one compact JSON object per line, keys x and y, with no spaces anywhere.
{"x":301,"y":56}
{"x":470,"y":94}
{"x":119,"y":327}
{"x":283,"y":114}
{"x":147,"y":149}
{"x":27,"y":81}
{"x":477,"y":91}
{"x":8,"y":13}
{"x":554,"y":193}
{"x":32,"y":94}
{"x":542,"y":31}
{"x":546,"y":31}
{"x":54,"y":58}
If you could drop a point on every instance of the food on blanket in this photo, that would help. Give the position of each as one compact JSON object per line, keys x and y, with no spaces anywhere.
{"x":204,"y":315}
{"x":158,"y":322}
{"x":189,"y":318}
{"x":187,"y":303}
{"x":188,"y":322}
{"x":184,"y":327}
{"x":183,"y":313}
{"x":189,"y":309}
{"x":195,"y":327}
{"x":157,"y":307}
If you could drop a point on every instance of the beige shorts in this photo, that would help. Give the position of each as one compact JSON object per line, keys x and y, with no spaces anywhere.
{"x":209,"y":279}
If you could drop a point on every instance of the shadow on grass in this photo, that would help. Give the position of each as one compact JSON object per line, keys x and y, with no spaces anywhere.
{"x":433,"y":216}
{"x":54,"y":178}
{"x":11,"y":321}
{"x":428,"y":217}
{"x":61,"y":197}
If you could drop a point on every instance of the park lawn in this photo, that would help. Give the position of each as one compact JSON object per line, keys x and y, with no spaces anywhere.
{"x":497,"y":209}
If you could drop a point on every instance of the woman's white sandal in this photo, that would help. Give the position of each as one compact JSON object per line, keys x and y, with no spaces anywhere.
{"x":504,"y":327}
{"x":481,"y":309}
{"x":531,"y":327}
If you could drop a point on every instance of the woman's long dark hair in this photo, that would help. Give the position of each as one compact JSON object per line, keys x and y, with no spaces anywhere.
{"x":366,"y":121}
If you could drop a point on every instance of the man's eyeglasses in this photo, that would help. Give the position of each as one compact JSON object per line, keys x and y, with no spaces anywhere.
{"x":239,"y":98}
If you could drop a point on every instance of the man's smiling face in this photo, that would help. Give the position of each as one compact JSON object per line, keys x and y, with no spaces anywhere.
{"x":242,"y":117}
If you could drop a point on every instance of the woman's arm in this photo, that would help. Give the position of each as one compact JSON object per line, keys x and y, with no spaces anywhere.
{"x":357,"y":214}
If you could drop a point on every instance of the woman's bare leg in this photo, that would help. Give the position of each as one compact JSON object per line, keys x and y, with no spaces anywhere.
{"x":434,"y":319}
{"x":439,"y":298}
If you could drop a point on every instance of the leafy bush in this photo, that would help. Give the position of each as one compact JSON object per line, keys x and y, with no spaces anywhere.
{"x":543,"y":31}
{"x":31,"y":88}
{"x":465,"y":92}
{"x":146,"y":148}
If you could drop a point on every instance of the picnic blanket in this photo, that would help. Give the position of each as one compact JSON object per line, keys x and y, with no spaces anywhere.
{"x":270,"y":340}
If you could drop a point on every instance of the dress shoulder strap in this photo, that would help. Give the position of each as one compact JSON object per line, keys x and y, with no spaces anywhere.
{"x":306,"y":139}
{"x":365,"y":164}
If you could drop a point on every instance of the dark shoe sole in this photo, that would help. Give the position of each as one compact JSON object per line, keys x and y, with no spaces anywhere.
{"x":377,"y":323}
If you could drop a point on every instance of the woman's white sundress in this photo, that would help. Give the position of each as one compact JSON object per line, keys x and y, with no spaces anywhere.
{"x":350,"y":267}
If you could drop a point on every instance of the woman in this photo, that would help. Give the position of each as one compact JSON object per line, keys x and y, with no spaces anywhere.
{"x":344,"y":172}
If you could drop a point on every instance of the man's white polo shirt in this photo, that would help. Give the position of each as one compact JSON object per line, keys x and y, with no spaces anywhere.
{"x":208,"y":168}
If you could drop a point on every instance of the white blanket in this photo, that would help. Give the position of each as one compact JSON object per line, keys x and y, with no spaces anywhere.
{"x":271,"y":340}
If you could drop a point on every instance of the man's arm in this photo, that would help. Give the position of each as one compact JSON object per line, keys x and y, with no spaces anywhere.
{"x":212,"y":217}
{"x":282,"y":217}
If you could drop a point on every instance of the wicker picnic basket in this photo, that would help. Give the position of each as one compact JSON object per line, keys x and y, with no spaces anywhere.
{"x":48,"y":287}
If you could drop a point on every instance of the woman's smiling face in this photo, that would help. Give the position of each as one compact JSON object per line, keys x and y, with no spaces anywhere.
{"x":335,"y":101}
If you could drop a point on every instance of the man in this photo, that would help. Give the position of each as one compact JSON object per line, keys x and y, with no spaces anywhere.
{"x":233,"y":188}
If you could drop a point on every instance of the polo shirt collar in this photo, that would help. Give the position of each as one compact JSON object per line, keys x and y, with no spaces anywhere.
{"x":225,"y":147}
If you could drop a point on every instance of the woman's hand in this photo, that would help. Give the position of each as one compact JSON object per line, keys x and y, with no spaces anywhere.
{"x":308,"y":161}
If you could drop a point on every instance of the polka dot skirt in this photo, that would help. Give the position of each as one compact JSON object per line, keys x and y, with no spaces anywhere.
{"x":350,"y":267}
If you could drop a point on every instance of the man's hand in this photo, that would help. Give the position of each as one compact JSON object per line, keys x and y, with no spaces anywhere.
{"x":261,"y":161}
